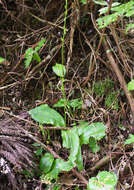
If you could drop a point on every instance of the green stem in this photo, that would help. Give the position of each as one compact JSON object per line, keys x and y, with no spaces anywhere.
{"x":64,"y":33}
{"x":62,"y":60}
{"x":64,"y":97}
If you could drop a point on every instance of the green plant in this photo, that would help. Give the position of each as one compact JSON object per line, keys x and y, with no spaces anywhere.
{"x":106,"y":88}
{"x":103,"y":87}
{"x":117,"y":10}
{"x":103,"y":181}
{"x":112,"y":101}
{"x":74,"y":104}
{"x":32,"y":53}
{"x":60,"y":71}
{"x":72,"y":139}
{"x":39,"y":150}
{"x":130,"y":140}
{"x":130,"y":85}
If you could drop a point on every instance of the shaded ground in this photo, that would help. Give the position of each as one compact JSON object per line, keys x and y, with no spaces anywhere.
{"x":90,"y":78}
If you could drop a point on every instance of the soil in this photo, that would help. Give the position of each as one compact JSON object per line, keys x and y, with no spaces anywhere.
{"x":23,"y":25}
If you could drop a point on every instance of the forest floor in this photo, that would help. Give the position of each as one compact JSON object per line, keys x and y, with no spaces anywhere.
{"x":90,"y":80}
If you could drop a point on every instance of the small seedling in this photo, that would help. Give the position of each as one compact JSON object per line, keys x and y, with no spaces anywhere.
{"x":32,"y":53}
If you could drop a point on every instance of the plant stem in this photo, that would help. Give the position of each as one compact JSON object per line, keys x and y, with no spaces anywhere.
{"x":64,"y":33}
{"x":62,"y":60}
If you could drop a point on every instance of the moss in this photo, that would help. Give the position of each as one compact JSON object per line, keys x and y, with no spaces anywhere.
{"x":100,"y":88}
{"x":106,"y":89}
{"x":112,"y":101}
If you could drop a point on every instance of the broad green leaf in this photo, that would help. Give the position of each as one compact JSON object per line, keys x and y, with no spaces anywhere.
{"x":28,"y":56}
{"x":93,"y":145}
{"x":79,"y":160}
{"x":55,"y":170}
{"x":46,"y":162}
{"x":58,"y":166}
{"x":71,"y":140}
{"x":96,"y":130}
{"x":2,"y":59}
{"x":130,"y":140}
{"x":65,"y":165}
{"x":131,"y":85}
{"x":66,"y":139}
{"x":59,"y":70}
{"x":103,"y":181}
{"x":45,"y":114}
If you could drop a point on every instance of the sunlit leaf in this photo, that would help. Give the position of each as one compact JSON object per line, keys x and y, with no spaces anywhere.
{"x":2,"y":59}
{"x":45,"y":114}
{"x":59,"y":70}
{"x":131,"y":85}
{"x":46,"y":162}
{"x":40,"y":44}
{"x":71,"y":141}
{"x":60,"y":103}
{"x":28,"y":57}
{"x":79,"y":160}
{"x":96,"y":130}
{"x":103,"y":181}
{"x":130,"y":140}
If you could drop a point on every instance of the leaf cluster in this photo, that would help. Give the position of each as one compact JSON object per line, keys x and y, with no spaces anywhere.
{"x":32,"y":53}
{"x":72,"y":139}
{"x":117,"y":10}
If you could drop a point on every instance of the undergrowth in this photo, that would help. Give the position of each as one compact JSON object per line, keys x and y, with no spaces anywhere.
{"x":84,"y":138}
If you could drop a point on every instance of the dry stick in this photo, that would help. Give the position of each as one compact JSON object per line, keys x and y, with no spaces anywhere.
{"x":119,"y":74}
{"x":114,"y":34}
{"x":78,"y":174}
{"x":101,"y":163}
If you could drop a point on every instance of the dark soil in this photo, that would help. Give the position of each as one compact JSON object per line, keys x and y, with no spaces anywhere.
{"x":22,"y":25}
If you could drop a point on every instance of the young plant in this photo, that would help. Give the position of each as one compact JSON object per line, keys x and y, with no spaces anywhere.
{"x":103,"y":181}
{"x":60,"y":70}
{"x":32,"y":53}
{"x":72,"y":139}
{"x":117,"y":10}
